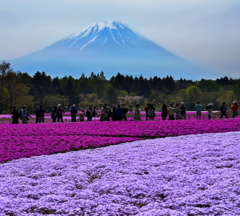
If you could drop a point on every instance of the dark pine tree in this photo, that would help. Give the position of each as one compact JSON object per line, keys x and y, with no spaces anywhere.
{"x":56,"y":86}
{"x":71,"y":93}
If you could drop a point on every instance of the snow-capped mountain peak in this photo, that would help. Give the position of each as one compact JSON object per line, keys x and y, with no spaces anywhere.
{"x":97,"y":27}
{"x":111,"y":47}
{"x":102,"y":34}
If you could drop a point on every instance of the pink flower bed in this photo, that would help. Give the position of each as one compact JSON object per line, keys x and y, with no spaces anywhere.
{"x":14,"y":147}
{"x":124,"y":128}
{"x":19,"y":141}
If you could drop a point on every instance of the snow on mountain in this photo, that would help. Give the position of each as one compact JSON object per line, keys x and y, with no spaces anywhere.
{"x":119,"y":33}
{"x":110,"y":47}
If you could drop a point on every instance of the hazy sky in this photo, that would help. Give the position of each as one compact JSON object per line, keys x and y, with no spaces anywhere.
{"x":205,"y":32}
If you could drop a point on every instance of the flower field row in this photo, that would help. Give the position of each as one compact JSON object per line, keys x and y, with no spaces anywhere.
{"x":18,"y":141}
{"x":124,"y":128}
{"x":14,"y":147}
{"x":185,"y":175}
{"x":48,"y":119}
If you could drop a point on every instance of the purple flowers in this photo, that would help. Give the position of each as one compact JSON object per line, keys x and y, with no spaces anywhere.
{"x":184,"y":175}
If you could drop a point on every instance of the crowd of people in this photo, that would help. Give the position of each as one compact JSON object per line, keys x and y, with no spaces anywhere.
{"x":118,"y":113}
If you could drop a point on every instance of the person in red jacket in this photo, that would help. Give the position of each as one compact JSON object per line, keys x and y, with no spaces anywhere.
{"x":234,"y":109}
{"x":146,"y":110}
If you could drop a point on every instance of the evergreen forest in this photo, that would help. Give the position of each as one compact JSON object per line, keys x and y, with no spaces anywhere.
{"x":17,"y":88}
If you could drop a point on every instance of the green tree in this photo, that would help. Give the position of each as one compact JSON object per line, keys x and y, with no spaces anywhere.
{"x":3,"y":99}
{"x":192,"y":97}
{"x":10,"y":81}
{"x":90,"y":99}
{"x":82,"y":84}
{"x":41,"y":86}
{"x":22,"y":97}
{"x":71,"y":92}
{"x":56,"y":86}
{"x":111,"y":96}
{"x":51,"y":100}
{"x":208,"y":85}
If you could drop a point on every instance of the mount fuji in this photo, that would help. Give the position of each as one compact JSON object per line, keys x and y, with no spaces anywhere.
{"x":110,"y":47}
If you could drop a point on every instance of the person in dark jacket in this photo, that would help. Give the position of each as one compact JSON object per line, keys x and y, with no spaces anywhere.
{"x":183,"y":111}
{"x":164,"y":112}
{"x":36,"y":113}
{"x":73,"y":113}
{"x":54,"y":114}
{"x":124,"y":112}
{"x":94,"y":111}
{"x":15,"y":115}
{"x":60,"y":112}
{"x":146,"y":110}
{"x":114,"y":113}
{"x":40,"y":114}
{"x":89,"y":113}
{"x":223,"y":110}
{"x":119,"y":113}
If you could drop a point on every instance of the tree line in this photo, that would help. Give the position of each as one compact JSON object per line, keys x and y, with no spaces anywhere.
{"x":17,"y":88}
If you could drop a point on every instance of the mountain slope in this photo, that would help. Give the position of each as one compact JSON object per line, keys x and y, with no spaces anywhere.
{"x":110,"y":47}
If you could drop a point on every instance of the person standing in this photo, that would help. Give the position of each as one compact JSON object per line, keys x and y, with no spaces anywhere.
{"x":124,"y":112}
{"x":15,"y":115}
{"x":171,"y":112}
{"x":60,"y":112}
{"x":183,"y":111}
{"x":40,"y":114}
{"x":164,"y":112}
{"x":146,"y":110}
{"x":94,"y":111}
{"x":137,"y":113}
{"x":119,"y":113}
{"x":36,"y":113}
{"x":153,"y":108}
{"x":109,"y":112}
{"x":106,"y":112}
{"x":198,"y":108}
{"x":223,"y":110}
{"x":73,"y":113}
{"x":178,"y":113}
{"x":89,"y":113}
{"x":234,"y":109}
{"x":114,"y":113}
{"x":209,"y":112}
{"x":54,"y":114}
{"x":24,"y":115}
{"x":81,"y":115}
{"x":150,"y":112}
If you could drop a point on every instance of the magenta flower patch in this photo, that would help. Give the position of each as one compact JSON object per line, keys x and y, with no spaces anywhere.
{"x":18,"y":141}
{"x":14,"y":147}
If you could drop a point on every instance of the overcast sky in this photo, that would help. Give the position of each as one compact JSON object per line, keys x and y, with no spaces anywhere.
{"x":205,"y":32}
